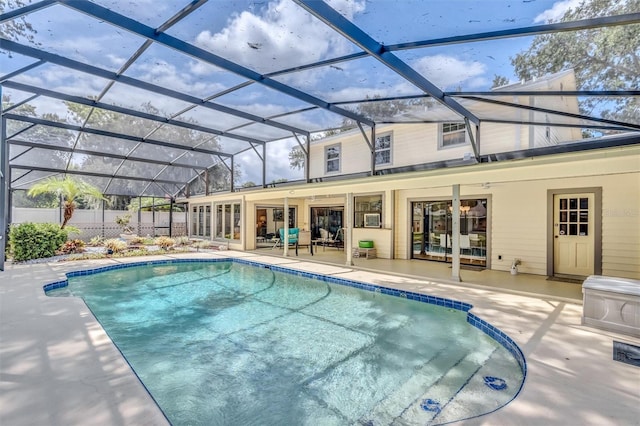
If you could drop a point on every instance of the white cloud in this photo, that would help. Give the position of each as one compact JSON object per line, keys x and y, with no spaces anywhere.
{"x":202,"y":68}
{"x":283,"y":35}
{"x":165,"y":74}
{"x":448,"y":72}
{"x":115,"y":60}
{"x":556,"y":11}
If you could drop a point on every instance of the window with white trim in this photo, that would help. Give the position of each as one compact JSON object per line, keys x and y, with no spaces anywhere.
{"x":383,"y":149}
{"x":452,"y":134}
{"x":332,"y":158}
{"x":227,"y":220}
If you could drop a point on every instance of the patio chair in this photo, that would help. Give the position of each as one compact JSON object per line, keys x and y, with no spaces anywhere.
{"x":328,"y":239}
{"x":293,"y":236}
{"x":304,"y":239}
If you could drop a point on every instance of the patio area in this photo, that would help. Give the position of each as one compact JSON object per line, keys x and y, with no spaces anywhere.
{"x":58,"y":366}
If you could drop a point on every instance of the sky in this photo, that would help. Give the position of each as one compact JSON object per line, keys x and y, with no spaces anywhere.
{"x":266,"y":36}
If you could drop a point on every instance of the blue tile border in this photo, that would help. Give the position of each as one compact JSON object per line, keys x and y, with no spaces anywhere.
{"x":492,"y":331}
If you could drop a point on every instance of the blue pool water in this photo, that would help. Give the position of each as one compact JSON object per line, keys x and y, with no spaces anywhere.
{"x":225,"y":343}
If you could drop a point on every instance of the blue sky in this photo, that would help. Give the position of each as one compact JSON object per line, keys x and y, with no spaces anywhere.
{"x":269,"y":35}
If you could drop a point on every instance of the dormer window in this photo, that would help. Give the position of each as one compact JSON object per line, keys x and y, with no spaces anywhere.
{"x":332,"y":158}
{"x":383,"y":149}
{"x":453,"y":134}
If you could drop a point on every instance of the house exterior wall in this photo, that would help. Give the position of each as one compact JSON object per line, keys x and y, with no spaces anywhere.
{"x":420,"y":143}
{"x":517,"y":191}
{"x":518,"y":208}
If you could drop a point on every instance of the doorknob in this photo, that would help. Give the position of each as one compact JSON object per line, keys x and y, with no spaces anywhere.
{"x":555,"y":236}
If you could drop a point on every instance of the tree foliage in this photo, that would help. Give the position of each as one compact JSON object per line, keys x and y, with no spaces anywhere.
{"x":72,"y":190}
{"x":603,"y":59}
{"x":219,"y":176}
{"x":499,"y":81}
{"x":15,"y":29}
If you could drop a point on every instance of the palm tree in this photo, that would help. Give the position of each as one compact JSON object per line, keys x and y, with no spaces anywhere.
{"x":71,"y":189}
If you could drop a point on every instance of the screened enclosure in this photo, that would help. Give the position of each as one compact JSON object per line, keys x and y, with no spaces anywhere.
{"x":177,"y":98}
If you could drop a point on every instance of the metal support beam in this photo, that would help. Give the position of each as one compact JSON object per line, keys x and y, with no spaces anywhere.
{"x":342,"y":25}
{"x":474,"y":145}
{"x":95,"y":174}
{"x":109,"y":75}
{"x":554,"y":112}
{"x":306,"y":149}
{"x":557,"y":27}
{"x":233,"y":176}
{"x":4,"y":187}
{"x":18,"y":13}
{"x":264,"y":165}
{"x":167,"y":40}
{"x":122,"y":110}
{"x":100,"y":154}
{"x":112,"y":134}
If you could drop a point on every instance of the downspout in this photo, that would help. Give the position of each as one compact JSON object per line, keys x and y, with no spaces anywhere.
{"x":455,"y":234}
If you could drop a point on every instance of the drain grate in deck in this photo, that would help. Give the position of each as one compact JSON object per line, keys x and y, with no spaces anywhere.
{"x":627,"y":353}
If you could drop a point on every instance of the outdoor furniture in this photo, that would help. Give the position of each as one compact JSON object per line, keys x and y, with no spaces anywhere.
{"x":365,"y":249}
{"x":330,"y":240}
{"x":304,"y":239}
{"x":367,"y":253}
{"x":293,"y":236}
{"x":612,"y":303}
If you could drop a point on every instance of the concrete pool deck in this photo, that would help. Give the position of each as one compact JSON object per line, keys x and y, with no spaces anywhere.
{"x":58,"y":366}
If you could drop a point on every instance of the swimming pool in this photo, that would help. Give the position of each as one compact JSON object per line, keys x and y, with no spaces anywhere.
{"x":237,"y":343}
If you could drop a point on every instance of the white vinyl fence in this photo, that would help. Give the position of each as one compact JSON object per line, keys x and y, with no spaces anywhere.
{"x":91,"y":224}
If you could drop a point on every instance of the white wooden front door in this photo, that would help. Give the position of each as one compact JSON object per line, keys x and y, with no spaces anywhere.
{"x":573,"y":233}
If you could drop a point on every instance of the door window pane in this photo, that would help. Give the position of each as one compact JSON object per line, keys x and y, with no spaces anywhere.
{"x":573,"y":203}
{"x":563,"y":203}
{"x":584,"y":203}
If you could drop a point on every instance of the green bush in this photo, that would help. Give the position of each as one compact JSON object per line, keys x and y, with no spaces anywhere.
{"x":35,"y":240}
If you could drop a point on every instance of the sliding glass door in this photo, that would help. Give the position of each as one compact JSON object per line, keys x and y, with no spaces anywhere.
{"x":431,"y":232}
{"x":328,"y":218}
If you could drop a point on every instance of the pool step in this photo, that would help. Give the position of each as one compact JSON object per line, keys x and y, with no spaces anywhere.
{"x":495,"y":384}
{"x":435,"y":390}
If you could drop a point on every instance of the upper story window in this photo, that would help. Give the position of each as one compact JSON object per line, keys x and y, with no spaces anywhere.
{"x":453,"y":134}
{"x":332,"y":158}
{"x":383,"y":149}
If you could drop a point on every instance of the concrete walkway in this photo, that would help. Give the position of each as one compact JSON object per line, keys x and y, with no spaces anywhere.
{"x":58,"y":367}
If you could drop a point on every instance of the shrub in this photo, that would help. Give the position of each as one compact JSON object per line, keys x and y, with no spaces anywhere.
{"x":72,"y":246}
{"x":165,"y":242}
{"x":115,"y":245}
{"x":35,"y":240}
{"x":182,"y":241}
{"x":136,"y":241}
{"x":203,"y":245}
{"x":96,"y":241}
